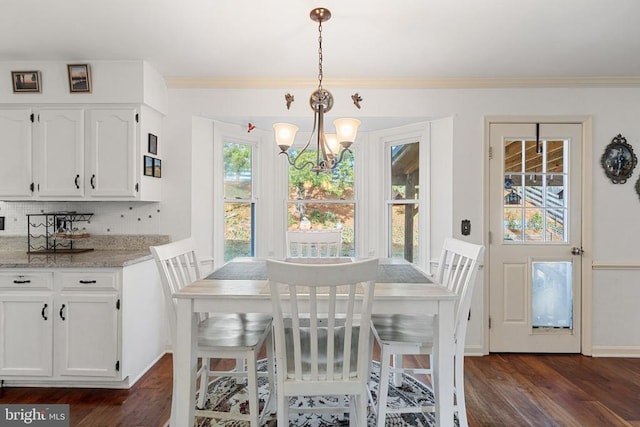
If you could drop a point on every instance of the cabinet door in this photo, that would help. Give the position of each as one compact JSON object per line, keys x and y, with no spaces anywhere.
{"x":87,"y":334}
{"x":26,"y":334}
{"x":59,"y":153}
{"x":111,"y":153}
{"x":15,"y":153}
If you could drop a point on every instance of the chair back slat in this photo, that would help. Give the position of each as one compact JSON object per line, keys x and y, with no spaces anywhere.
{"x":457,"y":268}
{"x":321,"y":321}
{"x":178,"y":266}
{"x":314,"y":243}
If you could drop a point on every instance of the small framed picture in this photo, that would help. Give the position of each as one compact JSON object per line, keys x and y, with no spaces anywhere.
{"x":153,"y":144}
{"x":79,"y":78}
{"x":26,"y":81}
{"x":157,"y":168}
{"x":148,"y":166}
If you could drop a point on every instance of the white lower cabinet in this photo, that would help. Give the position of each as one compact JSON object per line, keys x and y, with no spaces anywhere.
{"x":72,"y":333}
{"x":27,"y":349}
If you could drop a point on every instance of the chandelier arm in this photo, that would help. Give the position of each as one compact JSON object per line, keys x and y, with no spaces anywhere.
{"x":293,"y":163}
{"x":342,"y":151}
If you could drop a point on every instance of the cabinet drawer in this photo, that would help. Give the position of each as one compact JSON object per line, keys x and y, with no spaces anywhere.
{"x":26,"y":280}
{"x":89,"y":280}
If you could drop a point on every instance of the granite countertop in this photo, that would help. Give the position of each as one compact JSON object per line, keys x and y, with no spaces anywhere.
{"x":91,"y":259}
{"x":115,"y":251}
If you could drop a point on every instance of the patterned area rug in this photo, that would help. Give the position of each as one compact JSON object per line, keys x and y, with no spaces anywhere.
{"x":225,"y":395}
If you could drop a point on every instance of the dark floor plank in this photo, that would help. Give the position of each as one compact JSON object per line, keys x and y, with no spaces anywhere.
{"x":501,"y":390}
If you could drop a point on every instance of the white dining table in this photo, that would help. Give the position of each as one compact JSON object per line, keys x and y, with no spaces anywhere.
{"x":252,"y":295}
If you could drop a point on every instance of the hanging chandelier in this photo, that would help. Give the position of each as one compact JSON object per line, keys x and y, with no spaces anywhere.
{"x":331,"y":148}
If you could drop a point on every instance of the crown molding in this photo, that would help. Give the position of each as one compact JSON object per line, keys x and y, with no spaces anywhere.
{"x":400,"y":83}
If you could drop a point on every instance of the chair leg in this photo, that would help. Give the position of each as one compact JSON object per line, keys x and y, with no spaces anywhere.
{"x":252,"y":389}
{"x":271,"y":376}
{"x":383,"y":387}
{"x":240,"y":367}
{"x":361,"y":409}
{"x":204,"y":382}
{"x":397,"y":375}
{"x":283,"y":410}
{"x":459,"y":390}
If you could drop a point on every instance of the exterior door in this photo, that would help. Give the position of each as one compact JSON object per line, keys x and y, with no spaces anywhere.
{"x":535,"y":237}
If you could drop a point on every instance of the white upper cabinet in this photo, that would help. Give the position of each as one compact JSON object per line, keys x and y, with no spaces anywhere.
{"x":111,"y":153}
{"x":15,"y":153}
{"x":78,"y":153}
{"x":59,"y":153}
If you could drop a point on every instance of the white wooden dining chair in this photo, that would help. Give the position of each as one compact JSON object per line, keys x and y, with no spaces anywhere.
{"x":224,"y":336}
{"x":399,"y":335}
{"x":314,"y":243}
{"x":322,"y":315}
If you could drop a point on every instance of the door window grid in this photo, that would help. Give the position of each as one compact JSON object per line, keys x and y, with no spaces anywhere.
{"x":535,"y":190}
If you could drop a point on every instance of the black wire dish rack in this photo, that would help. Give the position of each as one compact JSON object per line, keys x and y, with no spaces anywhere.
{"x":55,"y":232}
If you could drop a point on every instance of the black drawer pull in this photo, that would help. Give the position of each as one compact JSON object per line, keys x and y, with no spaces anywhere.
{"x":88,"y":282}
{"x":62,"y":312}
{"x":20,"y":281}
{"x":44,"y":308}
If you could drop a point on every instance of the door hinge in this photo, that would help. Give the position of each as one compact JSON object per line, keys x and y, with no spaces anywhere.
{"x":137,"y":118}
{"x":490,"y":153}
{"x":490,"y":238}
{"x":118,"y":366}
{"x":137,"y":187}
{"x":118,"y":304}
{"x":489,"y":322}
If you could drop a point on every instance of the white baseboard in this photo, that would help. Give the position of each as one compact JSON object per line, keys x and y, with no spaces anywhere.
{"x":474,"y":350}
{"x":615,"y":351}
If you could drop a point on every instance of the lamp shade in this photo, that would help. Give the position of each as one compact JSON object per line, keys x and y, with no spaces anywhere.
{"x":347,"y":130}
{"x":332,"y":143}
{"x":285,"y":133}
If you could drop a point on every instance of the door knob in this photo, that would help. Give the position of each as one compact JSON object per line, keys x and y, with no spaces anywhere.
{"x":577,"y":251}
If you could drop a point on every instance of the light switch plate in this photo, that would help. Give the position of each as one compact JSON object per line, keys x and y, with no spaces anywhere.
{"x":465,"y":227}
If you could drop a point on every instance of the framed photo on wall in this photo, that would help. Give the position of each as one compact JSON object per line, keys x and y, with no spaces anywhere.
{"x":148,"y":166}
{"x":153,"y":144}
{"x":79,"y":78}
{"x":26,"y":81}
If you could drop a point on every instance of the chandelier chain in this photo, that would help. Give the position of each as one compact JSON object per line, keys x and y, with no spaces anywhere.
{"x":320,"y":75}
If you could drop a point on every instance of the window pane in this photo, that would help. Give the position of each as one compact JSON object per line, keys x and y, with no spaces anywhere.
{"x":318,"y":216}
{"x":237,"y":171}
{"x":404,"y":232}
{"x":238,"y":230}
{"x":308,"y":190}
{"x":552,"y":295}
{"x":535,"y":178}
{"x":405,"y":171}
{"x":335,"y":185}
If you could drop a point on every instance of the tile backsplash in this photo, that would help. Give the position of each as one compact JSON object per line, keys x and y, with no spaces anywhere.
{"x":116,"y":218}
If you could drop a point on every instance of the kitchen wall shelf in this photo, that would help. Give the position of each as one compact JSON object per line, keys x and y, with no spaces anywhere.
{"x":54,"y":232}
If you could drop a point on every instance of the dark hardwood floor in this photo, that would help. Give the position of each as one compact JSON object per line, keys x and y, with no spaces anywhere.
{"x":502,"y":390}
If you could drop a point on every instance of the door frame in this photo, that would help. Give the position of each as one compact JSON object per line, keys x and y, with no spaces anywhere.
{"x":586,"y":215}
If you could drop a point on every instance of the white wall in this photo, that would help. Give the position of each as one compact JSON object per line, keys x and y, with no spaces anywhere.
{"x":615,"y":207}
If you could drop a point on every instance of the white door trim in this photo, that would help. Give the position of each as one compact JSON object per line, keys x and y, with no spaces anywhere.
{"x":587,"y":217}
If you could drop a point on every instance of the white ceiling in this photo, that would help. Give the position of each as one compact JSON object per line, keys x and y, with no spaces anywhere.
{"x":373,"y":39}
